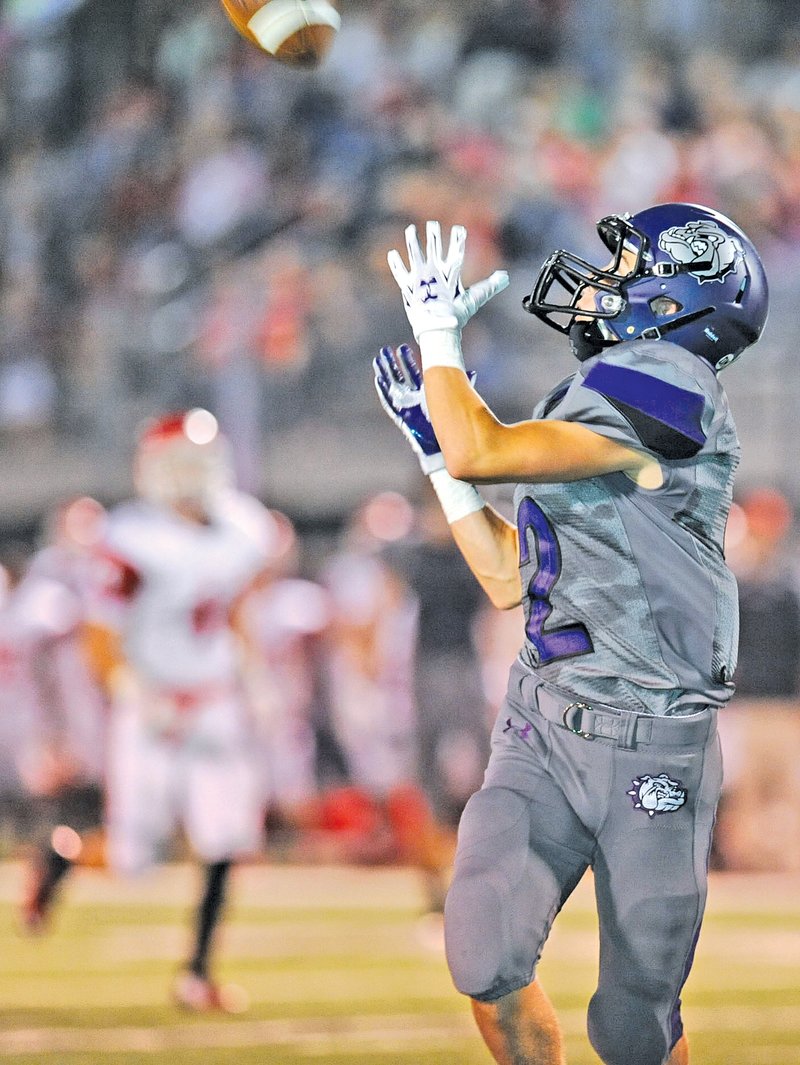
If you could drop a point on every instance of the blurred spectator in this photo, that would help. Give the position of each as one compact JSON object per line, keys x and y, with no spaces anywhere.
{"x":167,"y":192}
{"x":224,"y":188}
{"x":27,"y":377}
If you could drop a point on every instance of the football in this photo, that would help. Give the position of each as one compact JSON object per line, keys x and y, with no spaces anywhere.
{"x":297,"y":32}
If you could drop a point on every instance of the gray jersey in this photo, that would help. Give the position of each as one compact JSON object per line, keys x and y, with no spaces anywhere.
{"x":628,"y":600}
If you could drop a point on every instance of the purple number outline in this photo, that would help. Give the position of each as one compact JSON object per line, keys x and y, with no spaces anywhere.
{"x":563,"y":641}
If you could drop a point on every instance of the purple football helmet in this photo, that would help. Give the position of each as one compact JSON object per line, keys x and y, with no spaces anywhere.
{"x":696,"y":280}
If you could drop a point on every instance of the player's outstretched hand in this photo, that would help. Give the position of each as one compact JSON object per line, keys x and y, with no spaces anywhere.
{"x":433,"y":294}
{"x":398,"y":382}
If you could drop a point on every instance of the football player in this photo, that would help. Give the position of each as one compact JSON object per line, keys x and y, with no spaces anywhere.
{"x":605,"y":754}
{"x":282,"y":619}
{"x":65,"y":761}
{"x":372,"y":639}
{"x":170,"y":568}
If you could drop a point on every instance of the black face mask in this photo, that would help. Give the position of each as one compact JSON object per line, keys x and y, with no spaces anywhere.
{"x":586,"y":340}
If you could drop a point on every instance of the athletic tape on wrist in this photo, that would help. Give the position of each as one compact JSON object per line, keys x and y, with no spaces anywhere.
{"x":441,"y":347}
{"x":458,"y":499}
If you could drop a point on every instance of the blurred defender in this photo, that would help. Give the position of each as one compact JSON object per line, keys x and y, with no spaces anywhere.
{"x":64,"y":758}
{"x":372,"y":641}
{"x":171,"y":567}
{"x":605,"y":754}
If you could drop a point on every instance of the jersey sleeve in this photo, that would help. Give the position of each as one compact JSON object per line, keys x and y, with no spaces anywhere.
{"x":646,"y":396}
{"x":116,"y":571}
{"x":250,"y":536}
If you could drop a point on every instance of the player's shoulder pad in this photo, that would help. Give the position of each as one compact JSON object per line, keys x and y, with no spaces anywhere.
{"x":125,"y":523}
{"x":248,"y":516}
{"x":136,"y":533}
{"x":667,"y":394}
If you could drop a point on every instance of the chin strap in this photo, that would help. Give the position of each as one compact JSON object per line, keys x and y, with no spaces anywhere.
{"x":586,"y":340}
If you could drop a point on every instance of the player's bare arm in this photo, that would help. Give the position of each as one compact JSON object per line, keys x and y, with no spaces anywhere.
{"x":484,"y":450}
{"x":490,"y":546}
{"x":102,"y":647}
{"x":477,"y":447}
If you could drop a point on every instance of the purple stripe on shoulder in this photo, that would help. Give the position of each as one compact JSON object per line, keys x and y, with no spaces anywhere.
{"x":679,"y":408}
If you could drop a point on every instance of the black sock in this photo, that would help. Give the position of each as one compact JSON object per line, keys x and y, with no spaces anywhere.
{"x":54,"y":867}
{"x":208,"y":914}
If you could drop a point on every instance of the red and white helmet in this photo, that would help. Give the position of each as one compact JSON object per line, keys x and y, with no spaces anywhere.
{"x":183,"y":458}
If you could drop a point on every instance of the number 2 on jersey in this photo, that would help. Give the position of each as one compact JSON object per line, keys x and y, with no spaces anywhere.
{"x":561,"y":641}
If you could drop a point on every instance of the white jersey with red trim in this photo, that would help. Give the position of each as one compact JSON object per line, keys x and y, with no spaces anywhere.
{"x":168,"y":584}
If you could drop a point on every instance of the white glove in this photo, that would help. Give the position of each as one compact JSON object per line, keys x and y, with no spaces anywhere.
{"x":432,"y":291}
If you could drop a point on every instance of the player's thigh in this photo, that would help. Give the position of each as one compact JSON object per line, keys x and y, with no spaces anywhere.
{"x":223,"y":805}
{"x":518,"y":858}
{"x":651,"y":869}
{"x":140,"y":805}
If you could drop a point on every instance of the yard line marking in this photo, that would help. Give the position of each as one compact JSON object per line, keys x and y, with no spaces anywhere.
{"x":336,"y":886}
{"x":291,"y":1032}
{"x":316,"y":1036}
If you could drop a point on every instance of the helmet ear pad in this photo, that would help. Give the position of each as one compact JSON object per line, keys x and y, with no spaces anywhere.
{"x":642,"y":296}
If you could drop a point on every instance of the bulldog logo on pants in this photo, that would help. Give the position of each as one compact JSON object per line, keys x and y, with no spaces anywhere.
{"x":657,"y":795}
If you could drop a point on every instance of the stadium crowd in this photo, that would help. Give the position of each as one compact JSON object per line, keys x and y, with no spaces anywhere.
{"x":184,"y":221}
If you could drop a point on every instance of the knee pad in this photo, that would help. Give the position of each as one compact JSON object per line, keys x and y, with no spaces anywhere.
{"x":474,"y":936}
{"x":486,"y":953}
{"x":625,"y":1028}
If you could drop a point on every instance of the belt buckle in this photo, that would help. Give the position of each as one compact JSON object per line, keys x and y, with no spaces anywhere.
{"x":579,"y":709}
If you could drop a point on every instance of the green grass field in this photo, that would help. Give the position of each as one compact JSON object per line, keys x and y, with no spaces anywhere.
{"x":337,"y":975}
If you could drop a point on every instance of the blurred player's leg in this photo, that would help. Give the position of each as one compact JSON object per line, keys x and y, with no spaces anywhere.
{"x":52,"y":862}
{"x":142,"y":780}
{"x":194,"y":989}
{"x":223,"y":817}
{"x":54,"y":857}
{"x":421,"y":841}
{"x":209,"y":913}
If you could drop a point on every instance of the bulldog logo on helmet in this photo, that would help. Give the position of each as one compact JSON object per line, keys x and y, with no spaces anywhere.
{"x":657,"y":795}
{"x":705,"y":250}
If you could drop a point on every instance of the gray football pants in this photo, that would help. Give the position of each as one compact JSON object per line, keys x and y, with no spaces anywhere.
{"x":635,"y":804}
